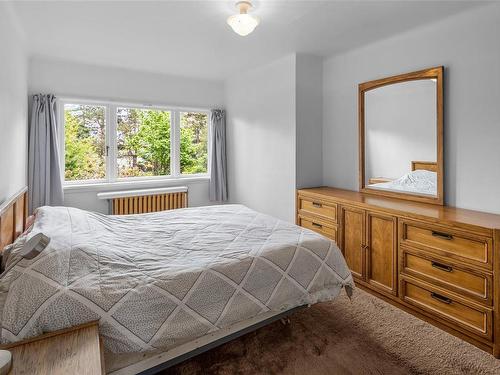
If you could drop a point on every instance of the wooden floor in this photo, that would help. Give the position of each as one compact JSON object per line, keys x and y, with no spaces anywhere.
{"x":362,"y":336}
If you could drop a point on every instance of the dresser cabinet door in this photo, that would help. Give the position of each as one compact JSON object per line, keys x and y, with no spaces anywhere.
{"x":353,"y":230}
{"x":381,"y":250}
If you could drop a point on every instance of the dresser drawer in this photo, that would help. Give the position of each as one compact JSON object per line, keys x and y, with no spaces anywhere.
{"x":460,"y":245}
{"x":448,"y":274}
{"x":320,"y":226}
{"x":449,"y":307}
{"x":316,"y":207}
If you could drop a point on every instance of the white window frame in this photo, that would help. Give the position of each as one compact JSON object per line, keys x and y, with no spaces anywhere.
{"x":111,"y":142}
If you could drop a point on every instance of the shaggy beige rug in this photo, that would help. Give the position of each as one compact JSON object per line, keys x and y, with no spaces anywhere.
{"x":362,"y":336}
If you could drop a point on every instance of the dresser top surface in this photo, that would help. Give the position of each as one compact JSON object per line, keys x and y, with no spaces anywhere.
{"x":441,"y":213}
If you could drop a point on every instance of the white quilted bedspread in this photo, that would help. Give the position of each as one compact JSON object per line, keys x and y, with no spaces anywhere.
{"x":158,"y":280}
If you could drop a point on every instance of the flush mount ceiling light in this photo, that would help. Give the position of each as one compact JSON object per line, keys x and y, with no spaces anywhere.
{"x":243,"y":23}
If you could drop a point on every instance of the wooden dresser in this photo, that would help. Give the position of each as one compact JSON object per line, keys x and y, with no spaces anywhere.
{"x":441,"y":264}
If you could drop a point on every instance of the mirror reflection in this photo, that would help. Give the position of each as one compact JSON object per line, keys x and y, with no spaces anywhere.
{"x":401,"y":137}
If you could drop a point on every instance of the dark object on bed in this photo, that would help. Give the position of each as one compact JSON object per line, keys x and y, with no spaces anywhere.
{"x":34,"y":246}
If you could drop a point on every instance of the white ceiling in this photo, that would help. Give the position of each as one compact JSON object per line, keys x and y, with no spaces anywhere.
{"x":191,"y":38}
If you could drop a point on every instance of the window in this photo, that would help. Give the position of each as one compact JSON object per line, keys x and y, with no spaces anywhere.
{"x":194,"y":142}
{"x":143,"y":141}
{"x":110,"y":142}
{"x":85,"y":142}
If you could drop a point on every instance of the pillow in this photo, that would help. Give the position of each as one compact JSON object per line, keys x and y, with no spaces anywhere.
{"x":5,"y":255}
{"x":10,"y":256}
{"x":30,"y":220}
{"x":12,"y":253}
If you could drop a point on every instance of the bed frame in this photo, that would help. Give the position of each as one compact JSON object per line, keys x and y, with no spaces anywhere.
{"x":424,"y":165}
{"x":161,"y":361}
{"x":13,"y":214}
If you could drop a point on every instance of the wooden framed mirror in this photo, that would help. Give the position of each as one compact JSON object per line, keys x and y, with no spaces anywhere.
{"x":401,"y":136}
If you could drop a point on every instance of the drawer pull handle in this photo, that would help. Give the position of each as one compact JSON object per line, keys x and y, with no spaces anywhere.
{"x":319,"y":226}
{"x":445,"y":236}
{"x":441,"y":298}
{"x":442,"y":267}
{"x":317,"y":205}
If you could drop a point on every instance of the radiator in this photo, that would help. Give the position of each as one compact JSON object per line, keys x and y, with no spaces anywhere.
{"x":146,"y":200}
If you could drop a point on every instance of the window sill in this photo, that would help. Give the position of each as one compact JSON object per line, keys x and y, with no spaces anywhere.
{"x":109,"y":186}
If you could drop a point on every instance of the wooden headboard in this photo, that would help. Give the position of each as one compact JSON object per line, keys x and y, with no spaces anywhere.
{"x":13,"y":214}
{"x":424,"y":165}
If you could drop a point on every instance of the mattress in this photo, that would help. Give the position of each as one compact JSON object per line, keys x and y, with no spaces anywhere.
{"x":155,"y":281}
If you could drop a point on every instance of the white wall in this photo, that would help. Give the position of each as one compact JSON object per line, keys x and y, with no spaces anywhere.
{"x":69,"y":79}
{"x":96,"y":82}
{"x":467,"y":45}
{"x":309,"y":114}
{"x":261,"y":138}
{"x":13,"y":105}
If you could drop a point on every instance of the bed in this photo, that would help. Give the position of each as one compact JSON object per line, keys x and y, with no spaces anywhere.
{"x":166,"y":284}
{"x":422,"y":179}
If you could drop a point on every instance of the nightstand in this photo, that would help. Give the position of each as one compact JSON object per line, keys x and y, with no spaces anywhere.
{"x":76,"y":350}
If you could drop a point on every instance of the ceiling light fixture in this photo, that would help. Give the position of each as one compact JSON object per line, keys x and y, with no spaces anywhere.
{"x":243,"y":23}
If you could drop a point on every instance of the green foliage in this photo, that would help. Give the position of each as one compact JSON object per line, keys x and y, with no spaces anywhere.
{"x":194,"y":134}
{"x":143,"y":141}
{"x":83,"y":161}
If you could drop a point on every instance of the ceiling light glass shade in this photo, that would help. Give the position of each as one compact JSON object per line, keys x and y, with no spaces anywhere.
{"x":243,"y":24}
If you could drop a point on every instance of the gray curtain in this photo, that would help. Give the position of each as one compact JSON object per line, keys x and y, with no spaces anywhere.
{"x":44,"y":172}
{"x":218,"y":178}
